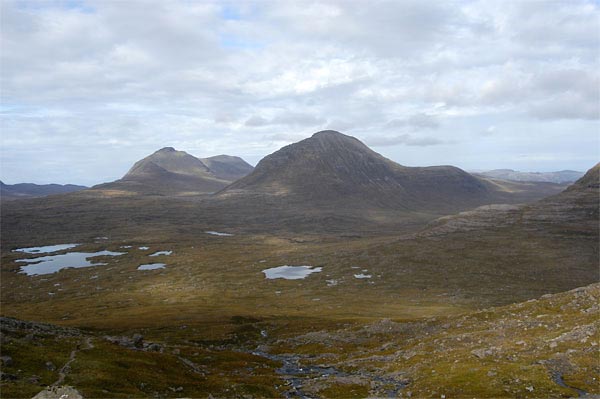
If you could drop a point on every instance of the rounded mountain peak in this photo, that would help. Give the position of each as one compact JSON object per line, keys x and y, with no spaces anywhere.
{"x":170,"y":160}
{"x":167,"y":149}
{"x":328,"y":134}
{"x":334,"y":137}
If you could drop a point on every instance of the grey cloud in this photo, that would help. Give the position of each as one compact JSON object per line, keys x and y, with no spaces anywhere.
{"x":404,"y":139}
{"x":157,"y":73}
{"x":415,"y":122}
{"x":340,"y":125}
{"x":563,"y":80}
{"x":256,"y":121}
{"x":556,"y":22}
{"x":567,"y":106}
{"x":490,"y":130}
{"x":286,"y":118}
{"x":285,"y":137}
{"x":224,"y":118}
{"x":297,"y":119}
{"x":389,"y":28}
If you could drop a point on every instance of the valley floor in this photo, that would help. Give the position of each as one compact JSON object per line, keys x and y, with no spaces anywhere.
{"x":213,"y":325}
{"x":500,"y":301}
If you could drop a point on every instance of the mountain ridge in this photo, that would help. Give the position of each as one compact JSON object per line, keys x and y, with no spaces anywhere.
{"x":228,"y":167}
{"x":560,"y":177}
{"x":333,"y":168}
{"x":168,"y":171}
{"x":32,"y":190}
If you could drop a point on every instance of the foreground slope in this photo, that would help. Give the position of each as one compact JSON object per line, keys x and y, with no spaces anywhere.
{"x":546,"y":347}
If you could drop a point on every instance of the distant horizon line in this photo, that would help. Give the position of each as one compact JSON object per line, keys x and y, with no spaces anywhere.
{"x":471,"y":171}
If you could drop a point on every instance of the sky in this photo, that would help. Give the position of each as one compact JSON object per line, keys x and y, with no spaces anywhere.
{"x":89,"y":87}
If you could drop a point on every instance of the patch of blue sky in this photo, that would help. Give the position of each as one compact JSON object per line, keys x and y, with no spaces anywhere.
{"x":230,"y":12}
{"x":10,"y":107}
{"x":74,"y":5}
{"x":239,"y":43}
{"x":79,"y":5}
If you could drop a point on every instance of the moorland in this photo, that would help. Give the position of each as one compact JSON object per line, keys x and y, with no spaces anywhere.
{"x":426,"y":281}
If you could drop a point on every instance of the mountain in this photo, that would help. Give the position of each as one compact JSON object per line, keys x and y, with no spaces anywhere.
{"x":332,"y":169}
{"x":563,"y":176}
{"x":172,"y":172}
{"x":575,"y":210}
{"x":170,"y":160}
{"x":30,"y":190}
{"x":330,"y":166}
{"x":591,"y":180}
{"x":328,"y":183}
{"x":227,"y":167}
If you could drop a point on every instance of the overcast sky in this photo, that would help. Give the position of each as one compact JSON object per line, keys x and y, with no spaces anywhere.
{"x":88,"y":88}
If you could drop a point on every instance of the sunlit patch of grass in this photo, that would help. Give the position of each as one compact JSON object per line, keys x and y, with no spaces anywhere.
{"x":340,"y":390}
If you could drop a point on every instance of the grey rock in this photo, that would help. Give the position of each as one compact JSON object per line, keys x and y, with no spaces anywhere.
{"x":483,"y":352}
{"x":155,"y":347}
{"x":7,"y":377}
{"x":138,"y":340}
{"x":7,"y":361}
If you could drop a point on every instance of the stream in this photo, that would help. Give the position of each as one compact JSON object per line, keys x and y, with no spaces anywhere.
{"x":296,"y":375}
{"x":558,"y":378}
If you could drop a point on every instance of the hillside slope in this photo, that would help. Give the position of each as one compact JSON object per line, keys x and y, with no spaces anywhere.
{"x":227,"y":167}
{"x":542,"y":348}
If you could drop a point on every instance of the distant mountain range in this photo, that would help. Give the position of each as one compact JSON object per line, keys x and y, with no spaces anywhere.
{"x":323,"y":170}
{"x":172,"y":172}
{"x":561,"y":177}
{"x":30,"y":190}
{"x":330,"y":183}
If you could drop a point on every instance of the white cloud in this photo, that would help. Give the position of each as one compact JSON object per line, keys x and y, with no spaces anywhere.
{"x":415,"y":122}
{"x":103,"y":79}
{"x":404,"y":139}
{"x":490,"y":130}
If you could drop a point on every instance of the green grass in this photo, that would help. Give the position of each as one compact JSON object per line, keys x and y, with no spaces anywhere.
{"x":29,"y":360}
